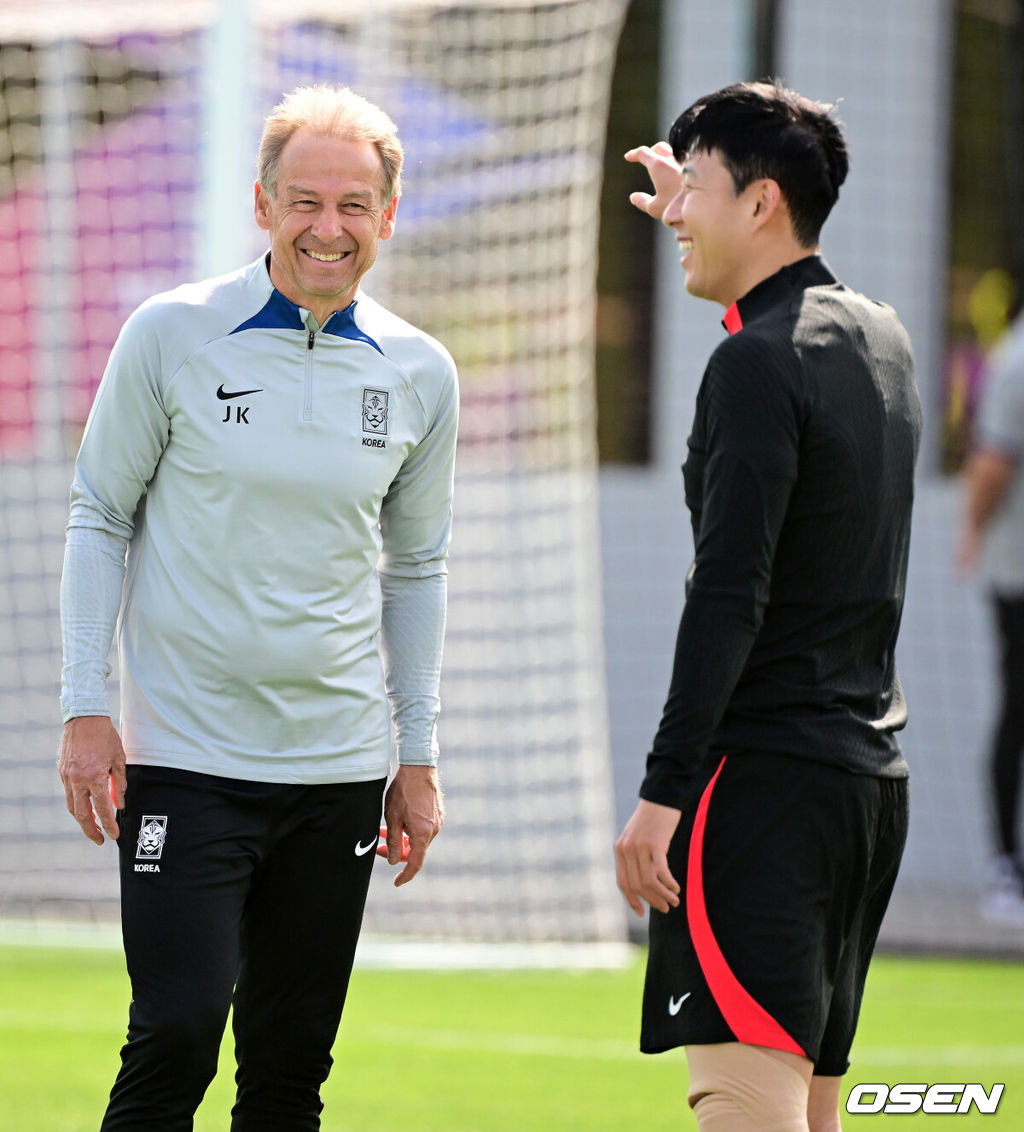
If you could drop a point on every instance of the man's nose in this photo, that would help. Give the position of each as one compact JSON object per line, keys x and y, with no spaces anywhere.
{"x":674,"y":209}
{"x":328,"y":225}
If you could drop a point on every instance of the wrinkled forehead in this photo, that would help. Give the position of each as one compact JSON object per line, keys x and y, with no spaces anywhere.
{"x":331,"y":157}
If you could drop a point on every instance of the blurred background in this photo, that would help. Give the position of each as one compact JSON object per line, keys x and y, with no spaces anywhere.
{"x":127,"y":142}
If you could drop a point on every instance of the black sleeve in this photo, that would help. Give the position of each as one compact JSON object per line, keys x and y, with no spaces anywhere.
{"x":746,"y":436}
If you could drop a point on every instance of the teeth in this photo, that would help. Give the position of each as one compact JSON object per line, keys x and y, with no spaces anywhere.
{"x":685,"y":245}
{"x":325,"y":258}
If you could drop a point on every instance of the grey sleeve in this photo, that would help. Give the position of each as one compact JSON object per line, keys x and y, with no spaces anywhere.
{"x":412,"y":637}
{"x":90,"y":597}
{"x":416,"y":515}
{"x":415,"y":525}
{"x":123,"y":441}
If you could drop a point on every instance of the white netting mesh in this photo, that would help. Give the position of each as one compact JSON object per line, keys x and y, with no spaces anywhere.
{"x":501,"y":108}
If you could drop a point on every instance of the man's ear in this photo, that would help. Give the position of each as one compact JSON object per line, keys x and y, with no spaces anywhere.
{"x":387,"y":220}
{"x":261,"y":206}
{"x":767,"y":200}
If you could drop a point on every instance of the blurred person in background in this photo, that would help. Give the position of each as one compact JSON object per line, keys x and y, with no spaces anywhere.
{"x":274,"y":452}
{"x":992,"y":540}
{"x":773,"y":813}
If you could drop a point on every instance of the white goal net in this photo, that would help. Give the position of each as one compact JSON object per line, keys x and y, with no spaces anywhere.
{"x":114,"y":119}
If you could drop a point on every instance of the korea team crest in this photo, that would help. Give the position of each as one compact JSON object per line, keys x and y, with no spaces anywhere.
{"x":375,"y":412}
{"x":152,"y":835}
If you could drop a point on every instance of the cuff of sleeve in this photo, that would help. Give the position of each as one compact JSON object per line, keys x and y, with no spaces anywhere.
{"x":667,"y":782}
{"x":417,"y":756}
{"x":73,"y":711}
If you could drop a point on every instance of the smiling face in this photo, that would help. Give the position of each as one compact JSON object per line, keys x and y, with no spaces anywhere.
{"x":714,"y":226}
{"x":325,"y":219}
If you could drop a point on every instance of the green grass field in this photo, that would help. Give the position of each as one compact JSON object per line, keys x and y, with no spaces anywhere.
{"x":504,"y":1052}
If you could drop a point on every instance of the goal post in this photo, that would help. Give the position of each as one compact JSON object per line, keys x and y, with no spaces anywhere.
{"x":501,"y":108}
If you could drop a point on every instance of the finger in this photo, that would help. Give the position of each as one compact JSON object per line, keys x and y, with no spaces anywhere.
{"x":645,"y":153}
{"x":382,"y":848}
{"x":69,"y":795}
{"x":659,"y":894}
{"x":82,"y":812}
{"x":414,"y":852}
{"x":627,"y":876}
{"x":632,"y":899}
{"x":643,"y":877}
{"x":668,"y":880}
{"x":656,"y":900}
{"x":660,"y":880}
{"x":106,"y":815}
{"x":118,"y":788}
{"x":620,"y":869}
{"x":641,"y":200}
{"x":653,"y":894}
{"x":649,"y":155}
{"x":417,"y":855}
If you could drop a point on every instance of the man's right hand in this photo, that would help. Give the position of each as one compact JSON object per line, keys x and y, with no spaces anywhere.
{"x":92,"y":769}
{"x":665,"y":175}
{"x":641,"y":855}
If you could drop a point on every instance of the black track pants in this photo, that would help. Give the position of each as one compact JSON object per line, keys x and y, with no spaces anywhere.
{"x":237,"y":893}
{"x":1008,"y":741}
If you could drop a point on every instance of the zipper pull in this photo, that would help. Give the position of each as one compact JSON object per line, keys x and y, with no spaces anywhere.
{"x":309,"y":340}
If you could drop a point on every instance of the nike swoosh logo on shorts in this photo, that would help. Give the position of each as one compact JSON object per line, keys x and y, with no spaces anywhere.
{"x":674,"y":1004}
{"x":223,"y":396}
{"x":362,"y":850}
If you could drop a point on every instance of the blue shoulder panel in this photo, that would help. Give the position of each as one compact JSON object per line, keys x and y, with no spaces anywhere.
{"x":280,"y":313}
{"x":277,"y":314}
{"x":343,"y":324}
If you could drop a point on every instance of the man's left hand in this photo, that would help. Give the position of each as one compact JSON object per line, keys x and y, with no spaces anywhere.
{"x":641,"y":856}
{"x":666,"y":178}
{"x":414,"y":805}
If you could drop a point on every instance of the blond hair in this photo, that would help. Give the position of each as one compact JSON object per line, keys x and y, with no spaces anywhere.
{"x":334,"y":111}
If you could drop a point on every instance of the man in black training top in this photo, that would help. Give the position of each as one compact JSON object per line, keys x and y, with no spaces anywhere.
{"x":774,"y":809}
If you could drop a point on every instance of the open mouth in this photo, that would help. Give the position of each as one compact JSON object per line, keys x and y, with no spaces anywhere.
{"x":325,"y":257}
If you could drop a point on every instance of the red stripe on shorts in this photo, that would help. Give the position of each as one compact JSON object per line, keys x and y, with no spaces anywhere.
{"x":747,"y":1019}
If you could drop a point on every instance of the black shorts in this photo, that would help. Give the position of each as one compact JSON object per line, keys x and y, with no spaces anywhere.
{"x":787,"y":866}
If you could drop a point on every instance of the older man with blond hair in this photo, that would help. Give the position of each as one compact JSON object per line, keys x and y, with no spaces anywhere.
{"x":262,"y":506}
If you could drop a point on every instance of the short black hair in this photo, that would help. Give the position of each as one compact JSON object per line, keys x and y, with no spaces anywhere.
{"x":762,"y":129}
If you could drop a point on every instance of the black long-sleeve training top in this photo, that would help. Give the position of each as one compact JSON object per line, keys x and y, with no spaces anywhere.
{"x":799,"y":479}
